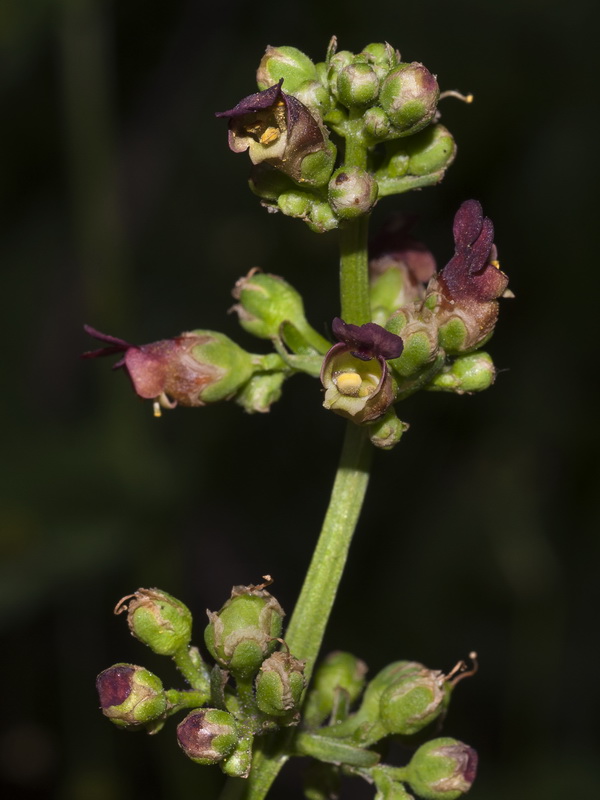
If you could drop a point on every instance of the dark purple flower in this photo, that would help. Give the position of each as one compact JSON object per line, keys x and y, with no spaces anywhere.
{"x":470,"y":284}
{"x":277,"y":129}
{"x":473,"y":272}
{"x":355,"y":372}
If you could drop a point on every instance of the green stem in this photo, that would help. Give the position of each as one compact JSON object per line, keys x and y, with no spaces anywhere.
{"x":188,"y":662}
{"x":311,"y":614}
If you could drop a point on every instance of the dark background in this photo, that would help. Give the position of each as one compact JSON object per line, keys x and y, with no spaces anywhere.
{"x":124,"y":208}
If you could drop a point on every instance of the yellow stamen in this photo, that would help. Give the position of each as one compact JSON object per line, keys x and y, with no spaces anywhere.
{"x":156,"y":409}
{"x":348,"y":383}
{"x":495,"y":264}
{"x":270,"y":135}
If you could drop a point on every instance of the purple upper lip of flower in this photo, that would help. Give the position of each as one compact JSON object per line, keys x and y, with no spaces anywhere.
{"x":258,"y":101}
{"x":367,"y":341}
{"x":115,"y":346}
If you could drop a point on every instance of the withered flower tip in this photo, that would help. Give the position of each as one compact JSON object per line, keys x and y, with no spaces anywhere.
{"x":367,"y":341}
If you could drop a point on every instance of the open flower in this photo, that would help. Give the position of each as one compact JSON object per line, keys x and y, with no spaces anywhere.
{"x":277,"y":129}
{"x":355,"y":371}
{"x":193,"y":369}
{"x":470,"y":283}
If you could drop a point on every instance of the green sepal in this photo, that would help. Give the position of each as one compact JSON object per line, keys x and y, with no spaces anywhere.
{"x":159,"y":620}
{"x":235,"y":363}
{"x":288,"y":63}
{"x":419,"y":351}
{"x":338,"y":674}
{"x":466,"y":374}
{"x":386,"y":432}
{"x":331,"y":751}
{"x":453,"y":335}
{"x":238,"y":764}
{"x":260,"y":392}
{"x":316,"y":168}
{"x":430,"y":150}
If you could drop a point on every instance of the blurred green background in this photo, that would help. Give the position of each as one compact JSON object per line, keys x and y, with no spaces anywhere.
{"x":123,"y":208}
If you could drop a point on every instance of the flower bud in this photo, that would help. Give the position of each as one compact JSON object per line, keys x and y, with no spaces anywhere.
{"x":409,"y":96}
{"x":431,"y":150}
{"x":244,"y":632}
{"x":158,"y":620}
{"x":238,"y":764}
{"x":276,"y":129}
{"x":381,"y":56}
{"x":315,"y":97}
{"x":413,"y":701}
{"x":442,"y":769}
{"x":388,"y":789}
{"x":338,"y":674}
{"x":207,"y":735}
{"x":130,"y":695}
{"x":355,"y":373}
{"x":279,"y":684}
{"x":378,"y":126}
{"x":261,"y":391}
{"x":352,"y":192}
{"x":265,"y":303}
{"x":357,"y":85}
{"x":466,"y":374}
{"x":193,"y":369}
{"x":385,"y":433}
{"x":287,"y":64}
{"x":337,"y":63}
{"x":420,"y":337}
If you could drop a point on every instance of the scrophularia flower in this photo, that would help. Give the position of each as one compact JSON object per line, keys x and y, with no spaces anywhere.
{"x":471,"y":282}
{"x":193,"y":369}
{"x":355,"y":372}
{"x":277,"y":129}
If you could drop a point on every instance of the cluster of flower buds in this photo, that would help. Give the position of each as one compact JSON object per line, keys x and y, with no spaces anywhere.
{"x":428,"y":330}
{"x":291,"y":126}
{"x":404,"y":700}
{"x":243,"y":638}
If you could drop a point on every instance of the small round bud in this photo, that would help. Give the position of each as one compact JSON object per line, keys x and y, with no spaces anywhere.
{"x":130,"y":695}
{"x":238,"y":764}
{"x":265,"y":302}
{"x":244,"y":632}
{"x":314,"y":96}
{"x":338,"y":674}
{"x":377,"y":125}
{"x":261,"y":391}
{"x":357,"y":86}
{"x":413,"y":701}
{"x":352,"y":192}
{"x":381,"y":55}
{"x":279,"y":684}
{"x":338,"y":61}
{"x":158,"y":620}
{"x":385,"y":433}
{"x":442,"y":769}
{"x":207,"y":735}
{"x":285,"y":62}
{"x":409,"y":97}
{"x":472,"y":373}
{"x":321,"y":218}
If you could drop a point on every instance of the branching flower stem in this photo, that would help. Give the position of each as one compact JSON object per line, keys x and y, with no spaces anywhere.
{"x":311,"y":614}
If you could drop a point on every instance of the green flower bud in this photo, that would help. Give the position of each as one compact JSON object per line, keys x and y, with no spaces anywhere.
{"x":357,"y":86}
{"x":409,"y":96}
{"x":265,"y":302}
{"x":386,"y":432}
{"x":130,"y":695}
{"x":389,"y":789}
{"x":381,"y":56}
{"x":261,"y":391}
{"x":207,"y":735}
{"x":420,"y":337}
{"x":337,"y":63}
{"x":238,"y":764}
{"x":442,"y":769}
{"x":158,"y":620}
{"x":430,"y":151}
{"x":288,"y":63}
{"x":269,"y":183}
{"x":413,"y":701}
{"x":244,"y":632}
{"x":377,"y":125}
{"x":352,"y":192}
{"x":321,"y":218}
{"x":315,"y":97}
{"x":279,"y":684}
{"x":471,"y":373}
{"x":338,"y":681}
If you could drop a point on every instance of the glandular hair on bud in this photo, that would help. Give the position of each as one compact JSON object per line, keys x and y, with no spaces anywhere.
{"x":352,"y":192}
{"x":158,"y":620}
{"x":207,"y":735}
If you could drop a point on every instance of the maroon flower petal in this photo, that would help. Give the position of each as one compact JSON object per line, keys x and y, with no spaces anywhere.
{"x":258,"y":101}
{"x":116,"y":345}
{"x":368,"y":341}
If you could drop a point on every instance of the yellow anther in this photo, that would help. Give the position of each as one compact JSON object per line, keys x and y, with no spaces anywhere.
{"x":270,"y":135}
{"x":156,"y":409}
{"x":495,"y":264}
{"x":348,"y":383}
